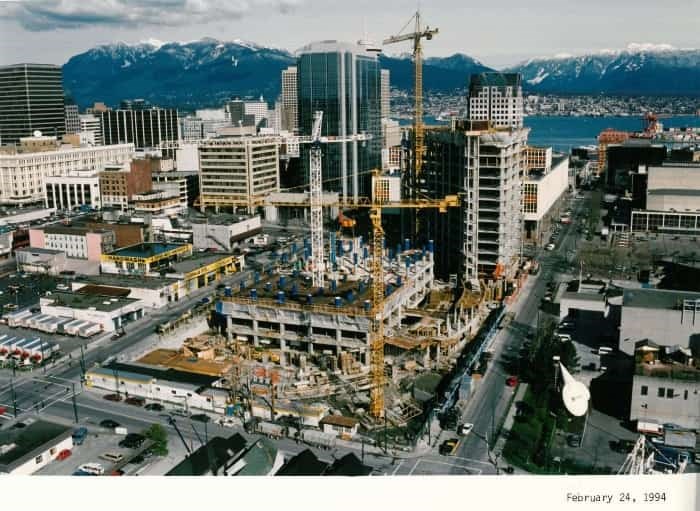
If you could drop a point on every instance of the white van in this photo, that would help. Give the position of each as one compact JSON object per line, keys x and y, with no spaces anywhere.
{"x":92,"y":468}
{"x":564,"y":337}
{"x":605,"y":350}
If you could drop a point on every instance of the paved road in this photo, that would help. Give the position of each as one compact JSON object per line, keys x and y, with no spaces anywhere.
{"x":489,"y":404}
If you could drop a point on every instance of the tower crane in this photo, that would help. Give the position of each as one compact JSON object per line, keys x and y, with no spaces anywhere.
{"x":375,"y":205}
{"x":416,"y":36}
{"x":316,"y":191}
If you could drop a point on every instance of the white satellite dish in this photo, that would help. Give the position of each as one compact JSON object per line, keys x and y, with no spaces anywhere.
{"x":575,"y":394}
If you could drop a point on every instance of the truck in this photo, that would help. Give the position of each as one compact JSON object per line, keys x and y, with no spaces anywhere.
{"x":269,"y":429}
{"x":79,"y":435}
{"x":649,"y":427}
{"x":679,"y":438}
{"x":318,"y":438}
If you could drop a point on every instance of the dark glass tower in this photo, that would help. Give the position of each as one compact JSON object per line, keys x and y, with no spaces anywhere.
{"x":31,"y":98}
{"x":344,"y":81}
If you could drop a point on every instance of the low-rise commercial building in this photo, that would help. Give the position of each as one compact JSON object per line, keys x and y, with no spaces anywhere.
{"x":118,"y":183}
{"x":544,"y":185}
{"x":73,"y":190}
{"x":22,"y":171}
{"x":153,"y":292}
{"x":110,"y":312}
{"x":32,"y":444}
{"x":40,"y":260}
{"x":222,"y":232}
{"x":157,"y":202}
{"x":76,"y":242}
{"x":667,"y":318}
{"x":144,"y":258}
{"x":666,"y":386}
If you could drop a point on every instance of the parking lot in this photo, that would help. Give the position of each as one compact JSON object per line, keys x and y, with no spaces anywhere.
{"x":97,"y":443}
{"x":20,"y":290}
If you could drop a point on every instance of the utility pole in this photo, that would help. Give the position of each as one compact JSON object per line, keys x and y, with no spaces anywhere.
{"x":75,"y":405}
{"x":82,"y":365}
{"x":14,"y":396}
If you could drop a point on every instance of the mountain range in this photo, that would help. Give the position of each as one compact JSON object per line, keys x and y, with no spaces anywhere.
{"x":206,"y":72}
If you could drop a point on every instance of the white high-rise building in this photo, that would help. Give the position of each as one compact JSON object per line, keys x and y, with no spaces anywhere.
{"x":497,"y":98}
{"x":290,"y":107}
{"x":91,"y":125}
{"x":386,"y":94}
{"x":258,"y":109}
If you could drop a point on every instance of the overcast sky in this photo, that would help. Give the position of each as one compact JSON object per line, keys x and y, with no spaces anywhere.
{"x":501,"y":33}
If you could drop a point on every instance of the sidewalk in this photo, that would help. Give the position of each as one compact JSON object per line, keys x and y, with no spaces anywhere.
{"x":510,"y":419}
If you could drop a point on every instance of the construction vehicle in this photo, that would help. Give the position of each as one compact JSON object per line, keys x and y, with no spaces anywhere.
{"x":318,"y":438}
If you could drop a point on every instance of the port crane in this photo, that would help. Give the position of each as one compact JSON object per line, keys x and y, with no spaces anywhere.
{"x":418,"y":33}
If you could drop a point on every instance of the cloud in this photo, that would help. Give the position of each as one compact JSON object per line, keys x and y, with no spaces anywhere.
{"x":43,"y":15}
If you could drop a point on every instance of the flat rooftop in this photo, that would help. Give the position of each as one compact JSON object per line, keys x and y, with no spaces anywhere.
{"x":656,"y":298}
{"x":85,"y":301}
{"x":27,"y":440}
{"x":146,"y":250}
{"x":37,"y":250}
{"x":130,"y":281}
{"x":198,"y":380}
{"x":198,"y":260}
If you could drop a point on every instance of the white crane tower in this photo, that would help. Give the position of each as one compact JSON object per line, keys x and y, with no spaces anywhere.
{"x":316,"y":192}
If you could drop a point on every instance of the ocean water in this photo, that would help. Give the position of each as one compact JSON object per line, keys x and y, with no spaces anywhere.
{"x":563,"y":133}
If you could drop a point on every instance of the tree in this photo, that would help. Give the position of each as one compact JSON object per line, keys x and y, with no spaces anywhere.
{"x":159,"y":436}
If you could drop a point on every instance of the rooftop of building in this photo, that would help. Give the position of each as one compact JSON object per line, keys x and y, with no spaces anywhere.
{"x":668,"y":370}
{"x":85,"y":301}
{"x":210,"y":457}
{"x":18,"y":444}
{"x":70,"y":230}
{"x":656,"y":298}
{"x":146,"y":250}
{"x":200,"y":381}
{"x":219,"y":218}
{"x":37,"y":250}
{"x":303,"y":464}
{"x":495,"y":79}
{"x":348,"y":465}
{"x":198,"y":260}
{"x":334,"y":46}
{"x":258,"y":460}
{"x":128,"y":281}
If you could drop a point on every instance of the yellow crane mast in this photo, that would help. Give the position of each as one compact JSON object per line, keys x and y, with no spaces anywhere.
{"x":416,"y":36}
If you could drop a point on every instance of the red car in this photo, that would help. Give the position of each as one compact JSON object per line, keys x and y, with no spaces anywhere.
{"x":512,"y":381}
{"x":64,"y":454}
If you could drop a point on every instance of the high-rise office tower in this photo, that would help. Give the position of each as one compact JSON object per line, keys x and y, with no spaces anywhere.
{"x":290,"y":116}
{"x":498,"y":98}
{"x":342,"y":80}
{"x":31,"y":99}
{"x":144,"y":128}
{"x":386,"y":94}
{"x":72,"y":119}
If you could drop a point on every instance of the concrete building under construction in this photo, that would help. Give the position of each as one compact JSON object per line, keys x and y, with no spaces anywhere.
{"x":312,"y":343}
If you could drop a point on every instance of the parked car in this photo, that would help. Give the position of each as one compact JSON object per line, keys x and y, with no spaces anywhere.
{"x":113,"y":457}
{"x":109,"y":424}
{"x":64,"y":454}
{"x":512,"y":381}
{"x":226,"y":422}
{"x":135,"y":401}
{"x":549,"y":247}
{"x":154,"y":407}
{"x":79,"y":436}
{"x":200,"y":417}
{"x":465,"y":428}
{"x":92,"y":469}
{"x":113,"y":397}
{"x":132,"y":441}
{"x":449,"y":447}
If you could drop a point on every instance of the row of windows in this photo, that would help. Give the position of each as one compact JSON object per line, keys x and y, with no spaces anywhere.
{"x":663,"y":392}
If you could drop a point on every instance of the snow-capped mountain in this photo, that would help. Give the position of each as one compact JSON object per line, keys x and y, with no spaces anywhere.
{"x":206,"y":72}
{"x":189,"y":75}
{"x":638,"y":69}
